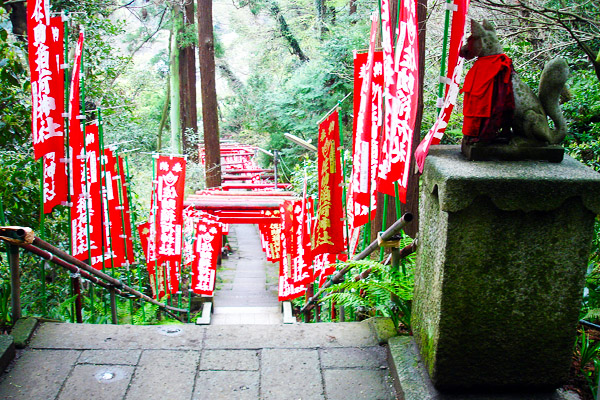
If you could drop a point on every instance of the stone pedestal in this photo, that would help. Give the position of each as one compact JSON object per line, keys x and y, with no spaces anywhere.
{"x":503,"y":250}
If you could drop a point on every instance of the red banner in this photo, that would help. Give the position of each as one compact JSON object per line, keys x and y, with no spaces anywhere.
{"x":302,"y":271}
{"x":93,"y":189}
{"x":287,"y":289}
{"x":46,"y":56}
{"x":169,"y":217}
{"x":145,"y":239}
{"x":114,"y":233}
{"x":208,"y":247}
{"x":78,"y":189}
{"x":126,"y":212}
{"x":328,"y":232}
{"x":455,"y":66}
{"x":55,"y":179}
{"x":325,"y":265}
{"x":401,"y":105}
{"x":368,"y":91}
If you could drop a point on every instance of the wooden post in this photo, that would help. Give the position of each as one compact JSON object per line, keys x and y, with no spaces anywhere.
{"x":76,"y":282}
{"x":275,"y":166}
{"x":310,"y":292}
{"x":113,"y":306}
{"x":210,"y":116}
{"x":15,"y":280}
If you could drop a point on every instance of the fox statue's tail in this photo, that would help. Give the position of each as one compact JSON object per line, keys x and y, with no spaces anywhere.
{"x":553,"y":79}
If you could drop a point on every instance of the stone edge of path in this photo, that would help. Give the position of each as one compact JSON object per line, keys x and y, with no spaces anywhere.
{"x":412,"y":382}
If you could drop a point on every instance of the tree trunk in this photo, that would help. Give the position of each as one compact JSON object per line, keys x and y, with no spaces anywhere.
{"x":187,"y":93}
{"x":210,"y":117}
{"x":163,"y":116}
{"x":412,"y":195}
{"x":284,"y":29}
{"x":352,"y":7}
{"x":175,"y":115}
{"x":18,"y":19}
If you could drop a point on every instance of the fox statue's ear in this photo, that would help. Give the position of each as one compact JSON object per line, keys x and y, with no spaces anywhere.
{"x":476,"y":28}
{"x":488,"y":26}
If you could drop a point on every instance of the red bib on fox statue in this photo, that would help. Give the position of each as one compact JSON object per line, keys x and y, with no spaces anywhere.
{"x":489,"y":101}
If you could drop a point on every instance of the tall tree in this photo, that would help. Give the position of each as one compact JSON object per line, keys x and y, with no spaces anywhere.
{"x":285,"y":31}
{"x":210,"y":117}
{"x":187,"y":82}
{"x":174,"y":81}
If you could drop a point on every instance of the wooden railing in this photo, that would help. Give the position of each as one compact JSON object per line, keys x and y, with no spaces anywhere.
{"x":21,"y":237}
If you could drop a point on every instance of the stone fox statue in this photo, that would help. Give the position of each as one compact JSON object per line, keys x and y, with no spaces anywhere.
{"x":513,"y":112}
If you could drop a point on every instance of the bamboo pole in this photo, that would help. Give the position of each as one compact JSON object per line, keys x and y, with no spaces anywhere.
{"x":113,"y":306}
{"x":76,"y":284}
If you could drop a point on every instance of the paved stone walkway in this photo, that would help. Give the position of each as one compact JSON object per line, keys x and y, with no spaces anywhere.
{"x":247,"y":283}
{"x":279,"y":362}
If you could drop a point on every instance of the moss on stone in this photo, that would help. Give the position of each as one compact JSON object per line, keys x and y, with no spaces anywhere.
{"x":383,"y":328}
{"x":23,"y":330}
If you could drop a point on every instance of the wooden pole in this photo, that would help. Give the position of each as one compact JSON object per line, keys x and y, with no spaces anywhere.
{"x":76,"y":283}
{"x":210,"y":117}
{"x":15,"y":280}
{"x":113,"y":306}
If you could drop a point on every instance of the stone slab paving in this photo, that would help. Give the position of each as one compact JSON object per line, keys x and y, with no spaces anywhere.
{"x":303,"y":361}
{"x":244,"y":282}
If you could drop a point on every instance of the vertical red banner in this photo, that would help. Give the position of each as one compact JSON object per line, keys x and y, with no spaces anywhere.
{"x":368,"y":103}
{"x":145,"y":239}
{"x":302,"y":271}
{"x":46,"y":55}
{"x":401,"y":105}
{"x":453,"y":77}
{"x":169,"y":217}
{"x":328,"y":232}
{"x":208,"y":247}
{"x":126,"y":212}
{"x":93,"y":190}
{"x":114,"y":236}
{"x":287,"y":289}
{"x":79,"y":193}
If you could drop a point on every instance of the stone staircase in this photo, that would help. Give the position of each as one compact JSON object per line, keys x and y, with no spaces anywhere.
{"x":300,"y":361}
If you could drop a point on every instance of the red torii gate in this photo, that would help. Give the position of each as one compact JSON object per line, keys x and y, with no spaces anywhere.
{"x":240,"y":207}
{"x":242,"y":203}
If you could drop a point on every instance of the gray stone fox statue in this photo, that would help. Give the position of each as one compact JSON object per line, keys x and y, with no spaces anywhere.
{"x":529,"y":124}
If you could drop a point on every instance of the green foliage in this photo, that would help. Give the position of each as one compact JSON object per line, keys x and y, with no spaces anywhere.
{"x":386,"y":291}
{"x":15,"y":90}
{"x":589,"y":363}
{"x":583,"y":116}
{"x":5,"y":312}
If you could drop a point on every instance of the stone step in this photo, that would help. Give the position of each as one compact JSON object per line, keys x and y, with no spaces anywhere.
{"x":191,"y":336}
{"x":264,"y":362}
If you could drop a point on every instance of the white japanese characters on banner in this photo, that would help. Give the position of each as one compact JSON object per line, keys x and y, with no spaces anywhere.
{"x":46,"y":58}
{"x":207,"y":249}
{"x":287,"y":288}
{"x":170,"y":179}
{"x":46,"y":54}
{"x":79,"y":189}
{"x":368,"y":103}
{"x":401,"y":100}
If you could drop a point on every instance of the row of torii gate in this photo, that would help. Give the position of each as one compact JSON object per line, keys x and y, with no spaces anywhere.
{"x":248,"y":194}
